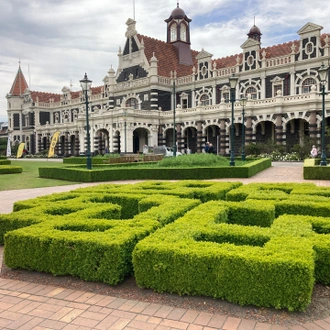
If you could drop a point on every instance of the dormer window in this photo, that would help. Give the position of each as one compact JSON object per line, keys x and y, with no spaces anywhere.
{"x":309,"y":48}
{"x":183,"y":32}
{"x":204,"y":71}
{"x":250,"y":60}
{"x":173,"y":32}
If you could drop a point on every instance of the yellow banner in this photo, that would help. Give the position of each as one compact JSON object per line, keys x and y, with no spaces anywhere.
{"x":20,"y":150}
{"x":53,"y":144}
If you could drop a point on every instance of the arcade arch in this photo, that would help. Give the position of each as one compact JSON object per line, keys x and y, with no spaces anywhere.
{"x":102,"y":141}
{"x":297,"y":130}
{"x":212,"y":135}
{"x":169,"y":137}
{"x":140,"y":139}
{"x":264,"y":131}
{"x":190,"y":138}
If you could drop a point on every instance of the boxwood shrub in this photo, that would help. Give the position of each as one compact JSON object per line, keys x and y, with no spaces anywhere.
{"x":260,"y":244}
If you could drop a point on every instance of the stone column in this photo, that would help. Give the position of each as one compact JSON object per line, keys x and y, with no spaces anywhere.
{"x":199,"y":136}
{"x":66,"y":144}
{"x":38,"y":142}
{"x":248,"y":130}
{"x":292,"y":82}
{"x":161,"y":139}
{"x":76,"y":143}
{"x":279,"y":130}
{"x":179,"y":138}
{"x":115,"y":144}
{"x":312,"y":127}
{"x":223,"y":137}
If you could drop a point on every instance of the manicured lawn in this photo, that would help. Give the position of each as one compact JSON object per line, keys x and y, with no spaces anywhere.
{"x":29,"y":178}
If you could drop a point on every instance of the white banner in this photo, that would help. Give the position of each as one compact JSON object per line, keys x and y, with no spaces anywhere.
{"x":9,"y":146}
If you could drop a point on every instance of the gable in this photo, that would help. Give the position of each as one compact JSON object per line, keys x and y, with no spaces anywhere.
{"x":250,"y":44}
{"x":310,"y":28}
{"x":204,"y":55}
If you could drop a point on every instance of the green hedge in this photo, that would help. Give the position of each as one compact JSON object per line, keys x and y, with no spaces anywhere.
{"x":138,"y":172}
{"x":201,"y":254}
{"x":9,"y":169}
{"x":316,"y":172}
{"x":269,"y":191}
{"x":314,"y":208}
{"x":79,"y":242}
{"x":313,"y":170}
{"x":5,"y":162}
{"x":189,"y":239}
{"x":204,"y":191}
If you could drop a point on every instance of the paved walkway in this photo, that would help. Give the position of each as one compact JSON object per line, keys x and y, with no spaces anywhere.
{"x":25,"y":305}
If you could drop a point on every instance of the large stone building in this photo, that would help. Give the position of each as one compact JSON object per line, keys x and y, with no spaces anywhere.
{"x":134,"y":107}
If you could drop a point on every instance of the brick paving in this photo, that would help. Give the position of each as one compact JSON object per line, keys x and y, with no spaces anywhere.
{"x":25,"y":305}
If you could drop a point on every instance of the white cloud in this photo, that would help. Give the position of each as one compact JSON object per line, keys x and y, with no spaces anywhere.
{"x":60,"y":40}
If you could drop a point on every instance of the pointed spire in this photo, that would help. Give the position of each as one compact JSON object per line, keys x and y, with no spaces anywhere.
{"x":20,"y":84}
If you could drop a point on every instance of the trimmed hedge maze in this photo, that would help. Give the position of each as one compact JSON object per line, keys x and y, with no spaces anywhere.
{"x":260,"y":244}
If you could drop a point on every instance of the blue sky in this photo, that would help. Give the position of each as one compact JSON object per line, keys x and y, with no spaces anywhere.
{"x":57,"y":41}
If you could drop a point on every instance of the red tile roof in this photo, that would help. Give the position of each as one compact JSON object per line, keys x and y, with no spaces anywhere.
{"x":225,"y":62}
{"x":281,"y":49}
{"x":45,"y":97}
{"x":167,"y":57}
{"x":19,"y":85}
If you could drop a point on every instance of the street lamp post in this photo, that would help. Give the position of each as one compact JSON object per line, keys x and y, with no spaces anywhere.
{"x":232,"y":82}
{"x":174,"y":108}
{"x":125,"y":129}
{"x":243,"y":102}
{"x":86,"y":85}
{"x":323,"y":72}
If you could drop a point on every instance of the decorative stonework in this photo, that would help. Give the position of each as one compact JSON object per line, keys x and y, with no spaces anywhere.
{"x":131,"y":29}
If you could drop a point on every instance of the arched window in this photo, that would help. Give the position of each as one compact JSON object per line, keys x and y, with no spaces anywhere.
{"x":307,"y":85}
{"x":183,"y":32}
{"x":253,"y":92}
{"x":173,"y":32}
{"x":132,"y":103}
{"x":205,"y":100}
